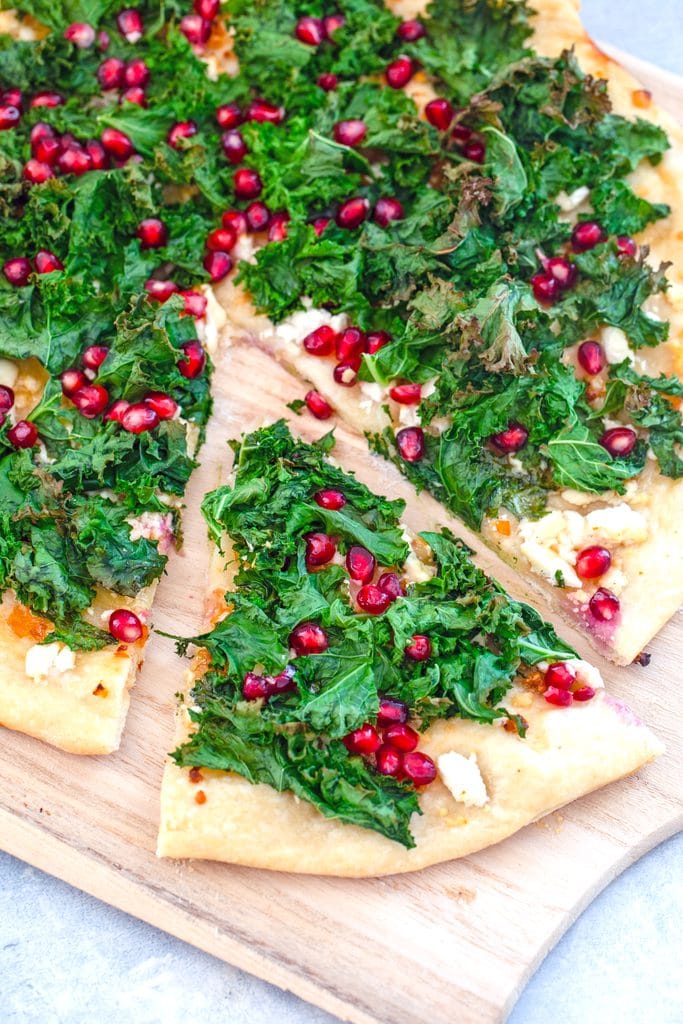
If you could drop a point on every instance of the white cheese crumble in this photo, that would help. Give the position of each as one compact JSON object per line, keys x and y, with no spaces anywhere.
{"x":586,"y":674}
{"x":154,"y":526}
{"x":209,"y":327}
{"x":462,"y":777}
{"x":289,"y":334}
{"x":44,"y":660}
{"x":414,"y":569}
{"x":570,"y":202}
{"x":9,"y":372}
{"x":616,"y":346}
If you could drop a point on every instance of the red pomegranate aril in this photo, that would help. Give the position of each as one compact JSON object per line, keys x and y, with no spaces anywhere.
{"x":346,"y":374}
{"x":277,"y":229}
{"x":217,"y":265}
{"x":41,"y":131}
{"x":327,"y":82}
{"x":164,"y":406}
{"x":626,"y":247}
{"x":332,"y":23}
{"x":125,"y":626}
{"x":310,"y":31}
{"x":99,"y":161}
{"x":604,"y":605}
{"x":591,"y":357}
{"x":90,"y":400}
{"x":23,"y":434}
{"x":363,"y":741}
{"x":350,"y":344}
{"x":208,"y":9}
{"x":46,"y":262}
{"x":74,"y":161}
{"x":229,"y":116}
{"x":221,"y":240}
{"x":116,"y":410}
{"x":10,"y":116}
{"x":234,"y":146}
{"x":321,"y":341}
{"x":406,"y":394}
{"x":195,"y":29}
{"x":510,"y":440}
{"x":320,"y":549}
{"x":402,"y":737}
{"x":46,"y":150}
{"x":418,"y":768}
{"x":475,"y":151}
{"x":376,"y":340}
{"x":391,"y":585}
{"x":258,"y":216}
{"x":247,"y":183}
{"x":81,"y":34}
{"x":72,"y":380}
{"x":560,"y":676}
{"x":260,"y":110}
{"x":319,"y":225}
{"x":560,"y":698}
{"x":619,"y":441}
{"x":387,"y":209}
{"x":439,"y":113}
{"x":410,"y":442}
{"x":47,"y":99}
{"x":194,"y":359}
{"x":12,"y":98}
{"x":308,"y":638}
{"x":593,"y":562}
{"x":117,"y":143}
{"x":37,"y":172}
{"x":195,"y":303}
{"x":388,"y":760}
{"x":546,"y":288}
{"x":419,"y":648}
{"x":329,"y":498}
{"x":391,"y":710}
{"x":583,"y":693}
{"x":411,"y":31}
{"x":254,"y":687}
{"x":236,"y":220}
{"x":399,"y":72}
{"x":152,"y":233}
{"x":318,"y":406}
{"x":7,"y":398}
{"x":350,"y":133}
{"x":461,"y":134}
{"x":110,"y":73}
{"x":282,"y":682}
{"x":372,"y":600}
{"x":17,"y":271}
{"x":360,"y":563}
{"x":139,"y":418}
{"x":587,"y":235}
{"x":160,"y":291}
{"x":353,"y":212}
{"x":136,"y":73}
{"x":94,"y":356}
{"x":181,"y":130}
{"x":563,"y":270}
{"x":130,"y":26}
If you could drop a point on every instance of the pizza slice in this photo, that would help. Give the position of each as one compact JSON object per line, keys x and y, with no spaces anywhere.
{"x":366,"y":701}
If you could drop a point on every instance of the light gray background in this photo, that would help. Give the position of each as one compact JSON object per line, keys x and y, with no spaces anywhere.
{"x":65,"y":958}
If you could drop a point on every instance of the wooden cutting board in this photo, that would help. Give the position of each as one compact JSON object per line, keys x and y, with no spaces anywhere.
{"x":455,"y":942}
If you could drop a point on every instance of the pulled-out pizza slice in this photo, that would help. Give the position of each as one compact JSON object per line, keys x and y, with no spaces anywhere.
{"x":366,"y":701}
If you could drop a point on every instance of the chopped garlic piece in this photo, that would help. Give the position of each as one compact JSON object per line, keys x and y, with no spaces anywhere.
{"x":462,"y":777}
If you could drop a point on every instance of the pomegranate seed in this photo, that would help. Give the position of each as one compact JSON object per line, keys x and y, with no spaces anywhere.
{"x":318,"y":406}
{"x":410,"y":442}
{"x":181,"y":130}
{"x":439,"y":113}
{"x":626,"y":247}
{"x":386,"y":210}
{"x":117,"y":143}
{"x":604,"y":605}
{"x":195,"y":29}
{"x":138,"y":418}
{"x":110,"y":73}
{"x":47,"y":99}
{"x":391,"y":710}
{"x":560,"y":698}
{"x":321,"y":341}
{"x":37,"y":172}
{"x":399,"y":72}
{"x":116,"y":410}
{"x":360,"y":563}
{"x":221,"y":240}
{"x":99,"y":160}
{"x":350,"y":133}
{"x":402,"y":737}
{"x":90,"y":400}
{"x":345,"y":374}
{"x":125,"y":626}
{"x":12,"y":98}
{"x":584,"y":693}
{"x":195,"y":303}
{"x":72,"y":380}
{"x":234,"y":146}
{"x":80,"y":33}
{"x":419,"y":648}
{"x":9,"y":116}
{"x":546,"y":288}
{"x":130,"y":24}
{"x":391,"y":585}
{"x":475,"y":151}
{"x":74,"y":161}
{"x":194,"y":359}
{"x":461,"y":134}
{"x":308,"y":638}
{"x":365,"y":740}
{"x":6,"y":398}
{"x":591,"y":357}
{"x":328,"y":498}
{"x":332,"y":23}
{"x":320,"y":549}
{"x":563,"y":270}
{"x":560,"y":676}
{"x":350,"y":344}
{"x":282,"y":682}
{"x":94,"y":356}
{"x":23,"y":434}
{"x":236,"y":220}
{"x":353,"y":212}
{"x":41,"y":131}
{"x":258,"y":216}
{"x":160,"y":291}
{"x":259,"y":110}
{"x":164,"y":406}
{"x":310,"y":31}
{"x":328,"y":82}
{"x":217,"y":265}
{"x":208,"y":9}
{"x":277,"y":229}
{"x":247,"y":183}
{"x":319,"y":225}
{"x":152,"y":233}
{"x":388,"y":760}
{"x":46,"y":150}
{"x":619,"y":441}
{"x":229,"y":115}
{"x":419,"y":768}
{"x":593,"y":562}
{"x":587,"y":235}
{"x":46,"y":262}
{"x":17,"y":271}
{"x":254,"y":687}
{"x":406,"y":394}
{"x":377,"y":340}
{"x":136,"y":73}
{"x":411,"y":31}
{"x":103,"y":41}
{"x":372,"y":600}
{"x":512,"y":439}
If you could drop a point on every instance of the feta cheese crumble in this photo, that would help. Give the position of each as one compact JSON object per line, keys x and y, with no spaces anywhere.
{"x":462,"y":777}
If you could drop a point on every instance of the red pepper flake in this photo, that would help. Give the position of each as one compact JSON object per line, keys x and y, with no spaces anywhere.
{"x":100,"y":691}
{"x":200,"y":797}
{"x":196,"y":775}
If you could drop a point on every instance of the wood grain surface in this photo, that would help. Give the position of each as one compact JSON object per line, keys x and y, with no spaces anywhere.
{"x":453,"y":943}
